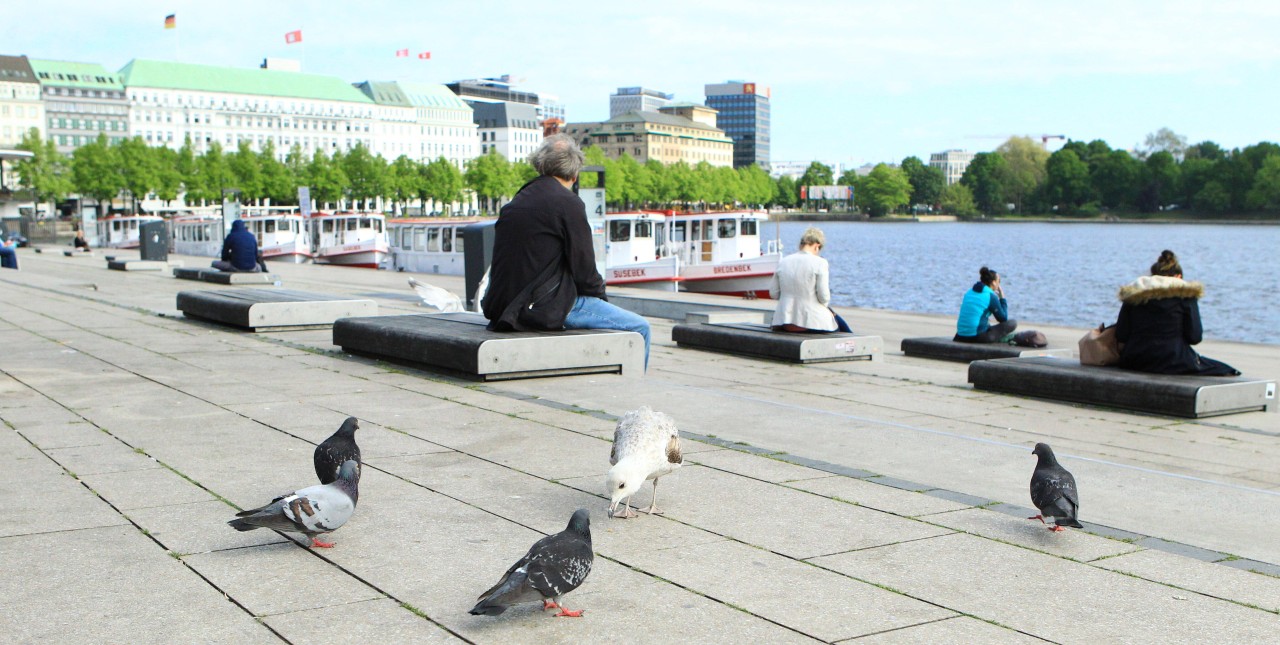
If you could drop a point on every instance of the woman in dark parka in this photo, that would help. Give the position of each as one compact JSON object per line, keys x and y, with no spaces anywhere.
{"x":1160,"y":321}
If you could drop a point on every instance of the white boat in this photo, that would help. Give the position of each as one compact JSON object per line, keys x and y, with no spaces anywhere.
{"x":121,"y":231}
{"x":281,"y":232}
{"x":196,"y":233}
{"x":720,"y":253}
{"x":428,"y":245}
{"x":349,"y":239}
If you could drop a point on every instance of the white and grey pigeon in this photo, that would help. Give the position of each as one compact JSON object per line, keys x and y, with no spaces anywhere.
{"x":646,"y":445}
{"x":554,"y":566}
{"x":1053,"y":491}
{"x":441,"y":300}
{"x":338,"y":448}
{"x":310,"y":511}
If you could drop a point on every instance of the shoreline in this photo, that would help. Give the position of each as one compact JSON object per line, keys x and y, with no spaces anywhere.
{"x":1038,"y":219}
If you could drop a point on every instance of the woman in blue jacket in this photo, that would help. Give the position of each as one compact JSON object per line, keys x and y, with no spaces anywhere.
{"x":985,"y":299}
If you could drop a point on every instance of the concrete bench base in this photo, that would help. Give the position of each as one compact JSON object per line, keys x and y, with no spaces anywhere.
{"x":742,"y":316}
{"x":137,"y":265}
{"x":459,"y":344}
{"x":760,"y":341}
{"x":1067,"y":380}
{"x":943,"y":348}
{"x":215,"y":276}
{"x":271,"y":309}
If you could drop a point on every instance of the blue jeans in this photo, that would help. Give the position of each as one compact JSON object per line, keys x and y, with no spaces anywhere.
{"x":594,"y":313}
{"x":8,"y":257}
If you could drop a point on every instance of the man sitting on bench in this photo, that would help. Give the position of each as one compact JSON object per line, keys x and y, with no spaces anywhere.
{"x":239,"y":251}
{"x":544,"y":266}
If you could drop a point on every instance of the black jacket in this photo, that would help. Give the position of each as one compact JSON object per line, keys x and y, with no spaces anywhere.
{"x":544,"y":224}
{"x":1159,"y":322}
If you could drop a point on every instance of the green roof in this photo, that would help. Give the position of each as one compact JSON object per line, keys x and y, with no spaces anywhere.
{"x":238,"y":80}
{"x":383,"y":93}
{"x":67,"y":74}
{"x":405,"y":93}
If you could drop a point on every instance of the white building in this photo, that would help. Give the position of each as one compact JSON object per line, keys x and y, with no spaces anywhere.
{"x":637,"y":99}
{"x":952,"y":163}
{"x":421,"y":121}
{"x":20,"y":105}
{"x":512,"y":129}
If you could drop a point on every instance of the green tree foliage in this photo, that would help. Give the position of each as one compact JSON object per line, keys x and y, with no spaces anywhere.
{"x":490,"y":176}
{"x":1160,"y":181}
{"x":788,"y":193}
{"x":366,"y":175}
{"x":985,"y":178}
{"x":817,"y":174}
{"x":1067,"y":184}
{"x":295,"y":164}
{"x":214,"y":172}
{"x":885,"y":190}
{"x":278,"y":183}
{"x":757,"y":187}
{"x":327,"y":179}
{"x":247,"y":168}
{"x":1024,"y":169}
{"x":1163,"y":140}
{"x":957,"y":199}
{"x":638,"y":185}
{"x":404,"y":181}
{"x":95,"y":171}
{"x":663,"y":187}
{"x":927,"y":182}
{"x":442,"y":182}
{"x":1265,"y":194}
{"x":169,"y":179}
{"x":1114,"y":178}
{"x":139,"y":167}
{"x":46,"y":174}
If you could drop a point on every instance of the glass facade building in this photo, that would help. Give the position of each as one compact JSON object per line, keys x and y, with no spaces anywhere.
{"x":744,"y":116}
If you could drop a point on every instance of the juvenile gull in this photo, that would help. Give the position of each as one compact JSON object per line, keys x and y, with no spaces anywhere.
{"x":646,"y":445}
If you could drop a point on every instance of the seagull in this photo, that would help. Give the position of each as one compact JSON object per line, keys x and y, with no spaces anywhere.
{"x":338,"y":448}
{"x":1053,"y":491}
{"x":310,"y":511}
{"x":446,"y":302}
{"x":553,"y":567}
{"x":646,"y":445}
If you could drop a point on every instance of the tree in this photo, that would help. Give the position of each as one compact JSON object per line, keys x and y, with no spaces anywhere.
{"x":490,"y":176}
{"x":1163,"y":140}
{"x":817,"y":174}
{"x":985,"y":178}
{"x":247,"y":168}
{"x":787,"y":194}
{"x":957,"y":199}
{"x":886,"y":189}
{"x":46,"y":173}
{"x":215,"y":173}
{"x":1115,"y":179}
{"x":927,"y":182}
{"x":189,"y":170}
{"x":1213,"y":198}
{"x":139,"y":167}
{"x":404,"y":181}
{"x":1067,"y":184}
{"x":1024,"y":169}
{"x":95,"y":172}
{"x":295,"y":164}
{"x":365,"y":173}
{"x":663,"y":184}
{"x":278,"y":182}
{"x":442,"y":182}
{"x":1265,"y":194}
{"x":1160,"y":181}
{"x":757,"y":187}
{"x":168,"y":175}
{"x":328,"y":181}
{"x":1207,"y":150}
{"x":638,"y":186}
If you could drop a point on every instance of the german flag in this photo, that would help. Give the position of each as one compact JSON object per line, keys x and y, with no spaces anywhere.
{"x":171,"y":21}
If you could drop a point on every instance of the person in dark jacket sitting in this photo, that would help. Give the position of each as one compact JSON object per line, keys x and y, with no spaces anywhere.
{"x":1160,"y":321}
{"x":983,"y":300}
{"x":239,"y":251}
{"x":544,"y":265}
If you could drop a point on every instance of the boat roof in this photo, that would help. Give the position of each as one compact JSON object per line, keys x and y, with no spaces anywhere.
{"x":450,"y":221}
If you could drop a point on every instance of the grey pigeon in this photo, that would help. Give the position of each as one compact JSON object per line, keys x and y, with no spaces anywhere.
{"x":1053,"y":491}
{"x":646,"y":445}
{"x":339,"y":447}
{"x":553,"y":567}
{"x":310,"y":511}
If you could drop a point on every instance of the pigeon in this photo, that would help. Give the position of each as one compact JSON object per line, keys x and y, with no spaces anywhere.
{"x":1053,"y":491}
{"x":553,"y":567}
{"x":310,"y":511}
{"x":339,"y":447}
{"x":446,"y":302}
{"x":646,"y":445}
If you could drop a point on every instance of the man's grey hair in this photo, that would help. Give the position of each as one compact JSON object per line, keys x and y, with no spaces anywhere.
{"x":558,"y":156}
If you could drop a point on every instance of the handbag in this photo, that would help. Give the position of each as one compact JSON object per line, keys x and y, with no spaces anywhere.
{"x":1030,"y":338}
{"x":1100,"y":347}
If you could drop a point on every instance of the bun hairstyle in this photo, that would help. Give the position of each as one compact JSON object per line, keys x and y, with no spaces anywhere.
{"x":1167,"y":265}
{"x":987,"y":276}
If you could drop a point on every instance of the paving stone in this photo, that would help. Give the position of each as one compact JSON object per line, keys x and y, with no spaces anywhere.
{"x":124,"y":590}
{"x":145,"y":488}
{"x":198,"y":527}
{"x":1031,"y":534}
{"x":820,"y":603}
{"x":279,"y":578}
{"x":573,"y":421}
{"x":1010,"y":585}
{"x":40,"y":498}
{"x":879,"y":497}
{"x":755,"y":466}
{"x":65,"y":435}
{"x":358,"y":623}
{"x":37,"y":414}
{"x":961,"y":630}
{"x":1202,"y":577}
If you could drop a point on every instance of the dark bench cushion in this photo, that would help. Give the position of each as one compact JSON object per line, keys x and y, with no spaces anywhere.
{"x":946,"y":349}
{"x":215,"y":276}
{"x":460,"y":344}
{"x":761,"y":341}
{"x":1067,"y":380}
{"x":272,"y":309}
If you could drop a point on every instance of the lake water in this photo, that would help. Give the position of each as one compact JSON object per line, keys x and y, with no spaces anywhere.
{"x":1065,"y":274}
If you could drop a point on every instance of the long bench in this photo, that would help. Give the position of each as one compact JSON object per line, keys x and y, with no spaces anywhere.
{"x":215,"y":276}
{"x":1067,"y":380}
{"x":946,"y":349}
{"x":758,"y":340}
{"x":271,"y":309}
{"x":459,"y":343}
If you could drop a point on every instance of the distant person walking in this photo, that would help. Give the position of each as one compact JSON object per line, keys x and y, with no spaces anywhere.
{"x":1159,"y":322}
{"x":982,"y":301}
{"x":801,"y":285}
{"x":239,"y":251}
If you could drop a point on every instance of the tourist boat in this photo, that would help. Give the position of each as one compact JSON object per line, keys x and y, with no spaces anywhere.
{"x":121,"y":231}
{"x":349,"y":239}
{"x":703,"y":252}
{"x":196,"y":233}
{"x":281,"y":232}
{"x":428,"y":245}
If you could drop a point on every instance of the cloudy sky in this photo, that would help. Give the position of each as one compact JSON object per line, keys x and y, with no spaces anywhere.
{"x":853,"y":81}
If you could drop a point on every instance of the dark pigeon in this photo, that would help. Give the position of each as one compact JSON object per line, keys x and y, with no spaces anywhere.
{"x":310,"y":511}
{"x":1053,"y":491}
{"x":338,"y":448}
{"x":553,"y":567}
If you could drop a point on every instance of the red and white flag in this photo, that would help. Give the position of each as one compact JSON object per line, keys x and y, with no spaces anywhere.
{"x":293,"y":37}
{"x":402,"y":53}
{"x":425,"y":55}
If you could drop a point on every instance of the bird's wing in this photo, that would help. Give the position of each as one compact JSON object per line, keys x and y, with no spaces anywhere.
{"x":1051,"y":485}
{"x":319,"y":509}
{"x":436,"y":298}
{"x":560,"y":566}
{"x":673,"y":450}
{"x":330,"y":455}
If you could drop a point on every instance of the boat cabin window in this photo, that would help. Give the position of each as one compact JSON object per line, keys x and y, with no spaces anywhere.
{"x":446,"y":240}
{"x":677,"y":231}
{"x":419,"y":239}
{"x":433,"y":240}
{"x":644,"y":229}
{"x":328,"y":226}
{"x":115,"y":226}
{"x":457,"y":240}
{"x":269,"y":226}
{"x":620,"y":230}
{"x":352,"y":223}
{"x":726,"y":228}
{"x":377,"y":226}
{"x":749,"y":227}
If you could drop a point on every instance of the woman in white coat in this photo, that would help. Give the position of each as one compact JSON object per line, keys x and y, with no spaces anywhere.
{"x":801,"y":287}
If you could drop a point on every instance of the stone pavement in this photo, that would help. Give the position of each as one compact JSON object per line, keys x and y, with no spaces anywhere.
{"x":861,"y":502}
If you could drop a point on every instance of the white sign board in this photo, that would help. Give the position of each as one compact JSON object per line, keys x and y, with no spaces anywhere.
{"x":593,"y":198}
{"x":304,"y":200}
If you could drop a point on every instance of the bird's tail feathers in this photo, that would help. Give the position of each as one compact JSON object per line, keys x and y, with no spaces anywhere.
{"x":500,"y":596}
{"x":1072,"y":522}
{"x":241,"y":525}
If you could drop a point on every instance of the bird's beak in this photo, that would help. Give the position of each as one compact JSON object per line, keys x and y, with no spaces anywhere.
{"x":613,"y":506}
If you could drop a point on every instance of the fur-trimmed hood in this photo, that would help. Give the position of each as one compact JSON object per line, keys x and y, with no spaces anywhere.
{"x":1159,"y":287}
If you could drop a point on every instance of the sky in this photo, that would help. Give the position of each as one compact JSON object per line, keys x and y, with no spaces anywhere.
{"x":852,"y":81}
